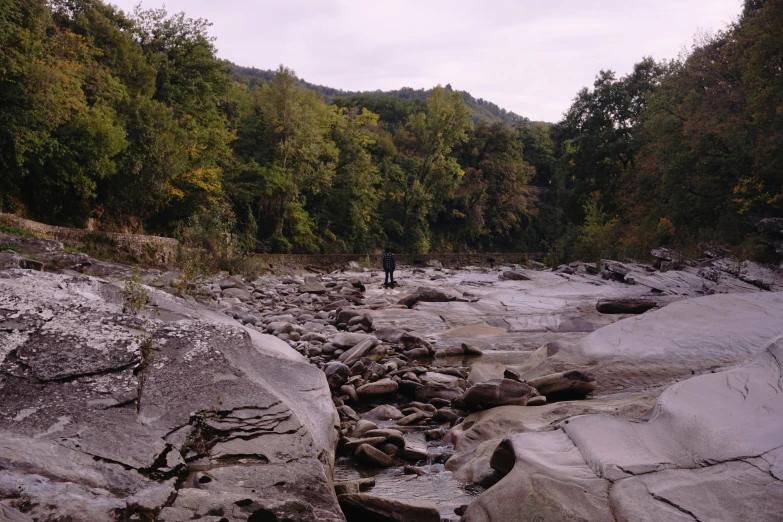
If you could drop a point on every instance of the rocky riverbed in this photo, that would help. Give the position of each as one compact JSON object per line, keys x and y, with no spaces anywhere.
{"x":623,"y":391}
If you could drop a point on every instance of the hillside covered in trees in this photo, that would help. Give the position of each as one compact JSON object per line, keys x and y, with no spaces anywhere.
{"x":480,"y":108}
{"x":131,"y":121}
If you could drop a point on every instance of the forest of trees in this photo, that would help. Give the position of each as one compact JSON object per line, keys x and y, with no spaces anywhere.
{"x":131,"y":121}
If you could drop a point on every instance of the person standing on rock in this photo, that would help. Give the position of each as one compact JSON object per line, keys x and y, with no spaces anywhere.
{"x":388,"y":267}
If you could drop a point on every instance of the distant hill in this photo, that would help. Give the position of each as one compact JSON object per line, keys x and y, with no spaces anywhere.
{"x":482,"y":109}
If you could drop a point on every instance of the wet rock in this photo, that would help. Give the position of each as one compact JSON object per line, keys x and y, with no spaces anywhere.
{"x":413,"y":418}
{"x":383,"y":412}
{"x":353,"y":444}
{"x":433,"y":295}
{"x":372,"y":456}
{"x":377,"y":389}
{"x":515,"y":276}
{"x":345,"y":315}
{"x":358,"y":368}
{"x":346,"y":412}
{"x":350,"y":391}
{"x":363,"y":320}
{"x":230,"y":283}
{"x":573,"y":382}
{"x":446,"y":415}
{"x":415,"y":452}
{"x":356,"y":283}
{"x":435,"y":434}
{"x":358,"y":351}
{"x":417,"y":353}
{"x":510,"y":373}
{"x":312,"y":288}
{"x":443,"y":378}
{"x":336,"y":374}
{"x":391,"y":450}
{"x":363,"y":426}
{"x":469,"y":349}
{"x":393,"y":436}
{"x":427,"y":392}
{"x":238,"y":293}
{"x":626,"y":305}
{"x":412,"y":341}
{"x":312,"y":336}
{"x":450,"y":351}
{"x":369,"y":508}
{"x":498,"y":392}
{"x":410,"y":300}
{"x":353,"y":486}
{"x":348,"y":340}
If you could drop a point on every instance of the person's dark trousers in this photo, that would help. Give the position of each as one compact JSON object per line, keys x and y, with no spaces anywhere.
{"x":389,"y":277}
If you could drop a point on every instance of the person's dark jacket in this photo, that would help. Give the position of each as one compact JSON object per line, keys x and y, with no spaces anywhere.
{"x":388,"y":262}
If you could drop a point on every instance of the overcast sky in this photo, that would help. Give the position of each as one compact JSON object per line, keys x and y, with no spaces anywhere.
{"x":530,"y":57}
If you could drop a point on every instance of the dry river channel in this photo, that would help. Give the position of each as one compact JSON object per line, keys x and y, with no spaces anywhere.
{"x":403,"y":362}
{"x":615,"y":392}
{"x":504,"y":319}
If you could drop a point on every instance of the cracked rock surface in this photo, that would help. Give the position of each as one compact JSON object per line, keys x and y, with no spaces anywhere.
{"x":233,"y":423}
{"x":710,"y":450}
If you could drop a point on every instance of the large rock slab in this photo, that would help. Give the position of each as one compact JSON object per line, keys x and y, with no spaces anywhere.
{"x":710,"y":451}
{"x":489,"y":427}
{"x":686,"y":337}
{"x":240,"y":407}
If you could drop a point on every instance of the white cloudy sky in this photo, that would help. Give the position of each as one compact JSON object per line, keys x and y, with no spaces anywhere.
{"x":527,"y":56}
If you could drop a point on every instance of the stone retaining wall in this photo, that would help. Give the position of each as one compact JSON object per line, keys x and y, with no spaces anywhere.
{"x":162,"y":249}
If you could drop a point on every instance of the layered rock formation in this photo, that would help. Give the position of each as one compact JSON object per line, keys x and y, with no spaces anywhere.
{"x":711,"y":450}
{"x":233,"y":424}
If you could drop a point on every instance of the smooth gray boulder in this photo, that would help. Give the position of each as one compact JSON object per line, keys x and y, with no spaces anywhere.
{"x":348,"y":340}
{"x":410,"y":300}
{"x":371,"y":455}
{"x":312,"y":288}
{"x":515,"y":276}
{"x":433,"y":295}
{"x":239,"y":293}
{"x":683,"y":338}
{"x":711,"y":450}
{"x":383,"y":412}
{"x":243,"y":406}
{"x":358,"y":351}
{"x":378,"y":388}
